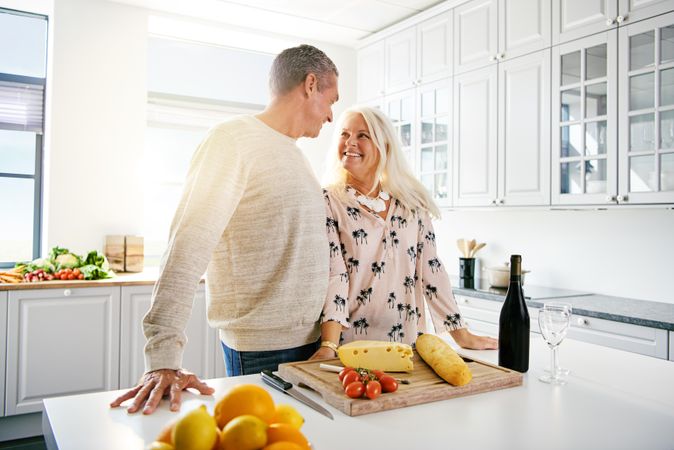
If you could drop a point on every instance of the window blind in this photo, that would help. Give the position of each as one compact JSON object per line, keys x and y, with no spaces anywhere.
{"x":21,"y":106}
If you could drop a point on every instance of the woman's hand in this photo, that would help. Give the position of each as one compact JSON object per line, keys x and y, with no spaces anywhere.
{"x":468,"y":340}
{"x":324,"y":353}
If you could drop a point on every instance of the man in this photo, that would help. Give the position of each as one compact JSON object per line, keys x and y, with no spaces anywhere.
{"x":252,"y":217}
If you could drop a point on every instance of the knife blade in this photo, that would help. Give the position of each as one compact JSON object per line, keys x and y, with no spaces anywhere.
{"x":282,"y":385}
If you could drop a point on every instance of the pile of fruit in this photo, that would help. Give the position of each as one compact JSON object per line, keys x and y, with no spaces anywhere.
{"x":246,"y":418}
{"x":366,"y":383}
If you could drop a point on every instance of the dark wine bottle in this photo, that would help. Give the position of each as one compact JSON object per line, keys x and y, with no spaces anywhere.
{"x":514,"y":325}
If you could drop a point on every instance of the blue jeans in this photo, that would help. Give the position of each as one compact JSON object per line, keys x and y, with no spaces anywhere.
{"x":246,"y":363}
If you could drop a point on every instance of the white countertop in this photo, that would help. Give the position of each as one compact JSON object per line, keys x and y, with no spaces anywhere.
{"x":613,"y":400}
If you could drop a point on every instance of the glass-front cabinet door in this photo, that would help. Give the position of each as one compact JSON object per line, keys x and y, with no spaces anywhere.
{"x":402,"y":112}
{"x":646,"y":132}
{"x":584,"y":147}
{"x":434,"y":104}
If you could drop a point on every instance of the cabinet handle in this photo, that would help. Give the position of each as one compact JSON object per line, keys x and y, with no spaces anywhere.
{"x":492,"y":58}
{"x":499,"y":201}
{"x":610,"y":198}
{"x":67,"y":292}
{"x":620,"y":19}
{"x":464,"y":300}
{"x":582,"y":322}
{"x":493,"y":202}
{"x":500,"y":56}
{"x":622,"y":198}
{"x":609,"y":22}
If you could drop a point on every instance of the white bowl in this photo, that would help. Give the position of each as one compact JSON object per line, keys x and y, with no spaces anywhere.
{"x":499,"y":276}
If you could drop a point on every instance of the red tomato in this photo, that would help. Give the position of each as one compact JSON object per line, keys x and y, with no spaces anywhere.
{"x":378,"y":374}
{"x":69,"y":270}
{"x":388,"y":384}
{"x":76,"y":272}
{"x":80,"y":276}
{"x":355,"y":389}
{"x":344,"y":371}
{"x":373,"y":390}
{"x":71,"y":276}
{"x":64,"y":276}
{"x":350,"y":377}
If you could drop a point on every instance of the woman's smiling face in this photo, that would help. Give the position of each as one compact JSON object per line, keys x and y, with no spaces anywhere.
{"x":357,"y":151}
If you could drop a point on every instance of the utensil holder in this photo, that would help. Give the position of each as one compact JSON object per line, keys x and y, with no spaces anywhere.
{"x":467,"y":268}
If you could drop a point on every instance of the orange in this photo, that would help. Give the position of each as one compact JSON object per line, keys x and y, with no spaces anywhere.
{"x":283,"y":432}
{"x":166,"y":434}
{"x":244,"y":399}
{"x":283,"y":445}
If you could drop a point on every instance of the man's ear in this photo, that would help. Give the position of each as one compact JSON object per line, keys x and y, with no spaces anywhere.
{"x":310,"y":84}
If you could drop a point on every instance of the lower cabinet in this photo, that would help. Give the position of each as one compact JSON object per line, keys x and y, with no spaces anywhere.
{"x":60,"y":342}
{"x":482,"y":317}
{"x":3,"y":349}
{"x":201,"y":347}
{"x":671,"y":345}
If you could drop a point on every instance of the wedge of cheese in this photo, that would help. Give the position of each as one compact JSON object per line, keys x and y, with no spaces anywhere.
{"x":377,"y":355}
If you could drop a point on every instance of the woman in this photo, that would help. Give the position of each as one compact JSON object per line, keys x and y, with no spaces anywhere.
{"x":383,"y":260}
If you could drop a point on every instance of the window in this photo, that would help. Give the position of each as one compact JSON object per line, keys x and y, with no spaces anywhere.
{"x":23,"y":56}
{"x":192,"y":86}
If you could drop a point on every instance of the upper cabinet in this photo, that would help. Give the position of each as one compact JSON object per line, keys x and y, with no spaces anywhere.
{"x":487,"y":31}
{"x":371,"y":71}
{"x":419,"y":54}
{"x":573,"y":19}
{"x":584,"y":106}
{"x":502,"y":133}
{"x":646,"y":111}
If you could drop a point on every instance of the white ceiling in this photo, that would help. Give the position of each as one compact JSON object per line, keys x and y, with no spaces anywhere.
{"x":340,"y":22}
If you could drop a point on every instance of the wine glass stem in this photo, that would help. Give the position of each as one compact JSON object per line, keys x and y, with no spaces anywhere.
{"x":555,"y":357}
{"x":553,"y":362}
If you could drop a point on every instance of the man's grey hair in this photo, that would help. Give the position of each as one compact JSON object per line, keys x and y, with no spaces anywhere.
{"x":292,"y":66}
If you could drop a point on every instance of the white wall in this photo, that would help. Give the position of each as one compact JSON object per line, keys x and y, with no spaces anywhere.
{"x":625,"y":253}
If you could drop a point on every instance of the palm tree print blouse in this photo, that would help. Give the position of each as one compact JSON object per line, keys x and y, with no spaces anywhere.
{"x":380,"y":272}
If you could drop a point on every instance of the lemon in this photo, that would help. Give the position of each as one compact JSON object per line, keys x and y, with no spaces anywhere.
{"x":156,"y":445}
{"x":195,"y":431}
{"x":288,"y":414}
{"x":246,"y":432}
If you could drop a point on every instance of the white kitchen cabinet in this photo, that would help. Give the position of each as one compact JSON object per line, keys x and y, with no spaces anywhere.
{"x":475,"y":35}
{"x":60,"y":342}
{"x":475,"y":137}
{"x":487,"y":31}
{"x":671,"y":345}
{"x":584,"y":113}
{"x":573,"y":19}
{"x":646,"y":111}
{"x":524,"y":130}
{"x":434,"y":138}
{"x":371,"y":69}
{"x":3,"y":349}
{"x":524,"y":26}
{"x":201,"y":338}
{"x":623,"y":336}
{"x":482,"y":316}
{"x":401,"y":108}
{"x":630,"y":11}
{"x":434,"y":48}
{"x":419,"y":54}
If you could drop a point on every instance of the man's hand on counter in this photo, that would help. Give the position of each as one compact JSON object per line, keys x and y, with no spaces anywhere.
{"x":155,"y":385}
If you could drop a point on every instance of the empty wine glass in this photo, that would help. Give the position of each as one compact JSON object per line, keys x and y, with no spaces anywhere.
{"x":554,"y":319}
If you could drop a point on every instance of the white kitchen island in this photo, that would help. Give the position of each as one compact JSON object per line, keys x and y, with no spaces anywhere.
{"x":613,"y":400}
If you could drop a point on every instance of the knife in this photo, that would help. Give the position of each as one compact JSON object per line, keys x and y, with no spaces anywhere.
{"x":282,"y":385}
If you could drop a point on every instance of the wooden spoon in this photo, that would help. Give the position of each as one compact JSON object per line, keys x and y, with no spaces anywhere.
{"x":461,"y":244}
{"x":477,"y":247}
{"x":471,"y":246}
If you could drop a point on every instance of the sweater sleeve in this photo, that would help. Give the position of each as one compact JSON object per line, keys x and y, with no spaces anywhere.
{"x":437,"y":289}
{"x":213,"y":188}
{"x":336,"y":305}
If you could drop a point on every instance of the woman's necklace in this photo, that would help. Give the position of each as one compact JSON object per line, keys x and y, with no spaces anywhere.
{"x":376,"y":204}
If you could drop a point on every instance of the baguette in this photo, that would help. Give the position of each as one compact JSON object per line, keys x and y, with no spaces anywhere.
{"x":443,"y":360}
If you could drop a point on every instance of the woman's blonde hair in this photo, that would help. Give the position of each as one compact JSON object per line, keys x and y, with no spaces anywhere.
{"x":393,"y":172}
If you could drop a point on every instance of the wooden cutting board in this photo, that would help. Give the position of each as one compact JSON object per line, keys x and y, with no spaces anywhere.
{"x":425,"y":385}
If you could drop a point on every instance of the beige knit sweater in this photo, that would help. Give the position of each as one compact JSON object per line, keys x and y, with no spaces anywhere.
{"x":252,"y":217}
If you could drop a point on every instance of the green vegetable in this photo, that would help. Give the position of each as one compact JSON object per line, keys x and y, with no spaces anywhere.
{"x":40,"y":263}
{"x":93,"y":257}
{"x":56,"y":251}
{"x":93,"y":272}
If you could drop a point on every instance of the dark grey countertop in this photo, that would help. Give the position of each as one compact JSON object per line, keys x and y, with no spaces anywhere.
{"x":638,"y":312}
